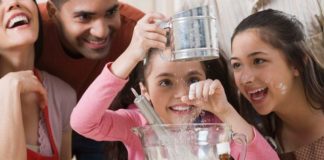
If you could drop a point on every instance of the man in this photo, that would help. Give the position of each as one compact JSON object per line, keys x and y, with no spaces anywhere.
{"x":310,"y":13}
{"x":80,"y":37}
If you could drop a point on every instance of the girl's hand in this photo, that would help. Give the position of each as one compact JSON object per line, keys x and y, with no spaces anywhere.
{"x":26,"y":82}
{"x":209,"y":95}
{"x":147,"y":34}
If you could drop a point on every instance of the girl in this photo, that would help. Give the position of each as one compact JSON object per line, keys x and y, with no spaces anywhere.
{"x":276,"y":72}
{"x":35,"y":106}
{"x":166,"y":84}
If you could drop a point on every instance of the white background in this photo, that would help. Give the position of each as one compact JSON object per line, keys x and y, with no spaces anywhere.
{"x":166,"y":7}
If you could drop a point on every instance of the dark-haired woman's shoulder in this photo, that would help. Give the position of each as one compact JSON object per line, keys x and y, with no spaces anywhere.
{"x":314,"y":151}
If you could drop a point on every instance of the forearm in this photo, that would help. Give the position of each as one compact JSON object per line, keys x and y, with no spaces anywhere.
{"x":12,"y":137}
{"x":257,"y":149}
{"x":89,"y":112}
{"x":124,"y":64}
{"x":257,"y":146}
{"x":238,"y":124}
{"x":66,"y":153}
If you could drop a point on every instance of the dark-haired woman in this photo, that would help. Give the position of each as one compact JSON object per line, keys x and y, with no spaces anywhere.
{"x":279,"y":76}
{"x":34,"y":106}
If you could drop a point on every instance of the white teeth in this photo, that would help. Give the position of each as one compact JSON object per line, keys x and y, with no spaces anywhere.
{"x":96,"y":41}
{"x":17,"y":19}
{"x":255,"y":91}
{"x":181,"y":108}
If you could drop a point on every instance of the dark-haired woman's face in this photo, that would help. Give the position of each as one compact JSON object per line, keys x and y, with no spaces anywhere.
{"x":262,"y":73}
{"x":19,"y":23}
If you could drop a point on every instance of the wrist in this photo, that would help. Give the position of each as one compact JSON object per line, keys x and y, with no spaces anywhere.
{"x":133,"y":55}
{"x":14,"y":83}
{"x":238,"y":123}
{"x":228,"y":112}
{"x":124,"y":64}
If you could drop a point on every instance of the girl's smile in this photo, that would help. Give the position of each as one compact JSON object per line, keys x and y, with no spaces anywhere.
{"x":165,"y":86}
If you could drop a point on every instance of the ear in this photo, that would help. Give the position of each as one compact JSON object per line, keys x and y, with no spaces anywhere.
{"x":51,"y":9}
{"x":295,"y":71}
{"x":144,"y":91}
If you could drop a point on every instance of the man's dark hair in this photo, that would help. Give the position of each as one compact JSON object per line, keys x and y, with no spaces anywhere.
{"x":58,"y":3}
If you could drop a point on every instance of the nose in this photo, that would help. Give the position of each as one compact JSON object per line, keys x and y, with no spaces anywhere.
{"x":181,"y":89}
{"x":99,"y":29}
{"x":246,"y":76}
{"x":13,"y":4}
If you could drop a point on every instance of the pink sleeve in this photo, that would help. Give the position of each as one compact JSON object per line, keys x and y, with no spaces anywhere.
{"x":91,"y":118}
{"x":258,"y":149}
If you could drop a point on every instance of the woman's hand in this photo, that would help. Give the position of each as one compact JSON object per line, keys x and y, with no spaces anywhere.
{"x":26,"y":82}
{"x":12,"y":88}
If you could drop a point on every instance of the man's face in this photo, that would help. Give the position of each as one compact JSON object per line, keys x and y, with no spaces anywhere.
{"x":87,"y":26}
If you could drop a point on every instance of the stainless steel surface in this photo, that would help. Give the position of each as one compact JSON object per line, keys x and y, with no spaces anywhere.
{"x":192,"y":35}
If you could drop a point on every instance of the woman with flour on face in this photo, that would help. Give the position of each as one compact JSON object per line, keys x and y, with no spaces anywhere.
{"x":277,"y":73}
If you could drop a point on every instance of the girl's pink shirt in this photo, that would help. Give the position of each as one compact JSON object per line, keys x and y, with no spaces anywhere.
{"x":91,"y":118}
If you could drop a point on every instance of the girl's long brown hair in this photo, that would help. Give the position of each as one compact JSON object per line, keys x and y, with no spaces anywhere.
{"x":215,"y":69}
{"x":284,"y":32}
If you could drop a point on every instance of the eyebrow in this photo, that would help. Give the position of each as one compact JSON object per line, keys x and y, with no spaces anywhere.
{"x":114,"y":7}
{"x":191,"y":73}
{"x":250,"y":55}
{"x":81,"y":12}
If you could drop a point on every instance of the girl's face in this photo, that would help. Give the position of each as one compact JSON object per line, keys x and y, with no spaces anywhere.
{"x":18,"y":23}
{"x":167,"y":82}
{"x":262,"y":73}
